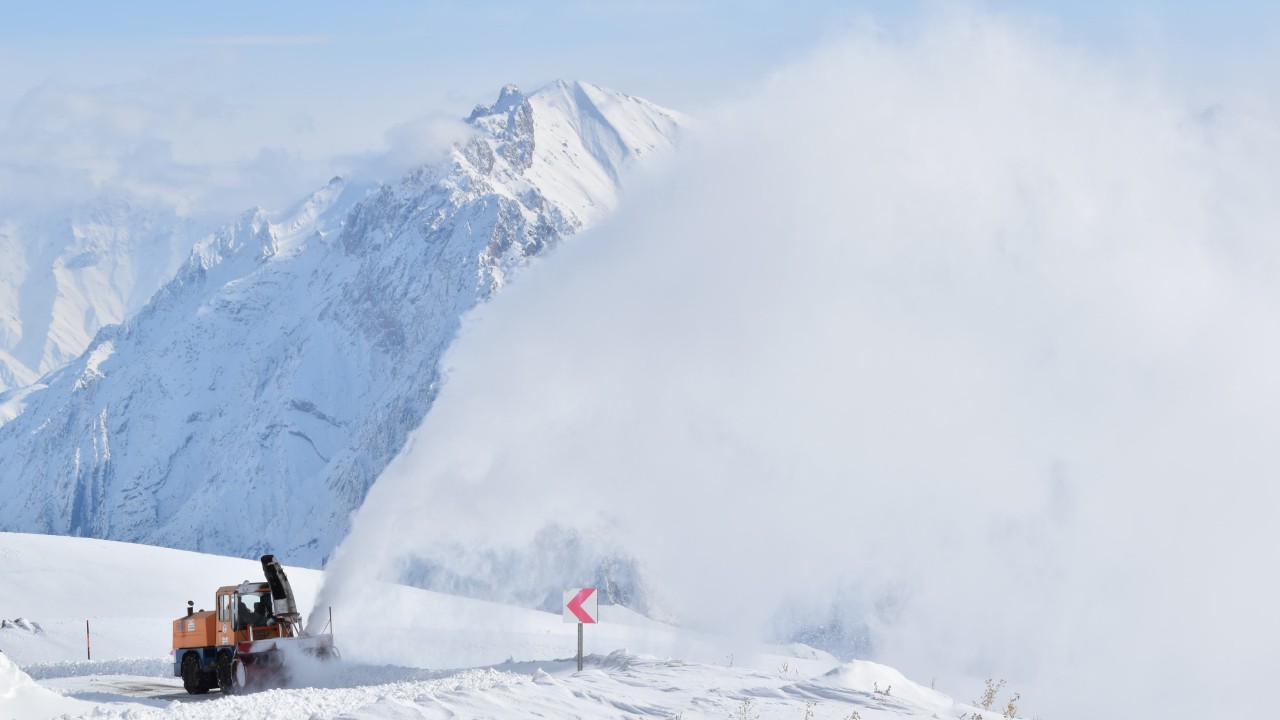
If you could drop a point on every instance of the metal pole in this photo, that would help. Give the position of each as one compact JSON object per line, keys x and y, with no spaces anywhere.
{"x":88,"y":652}
{"x":579,"y":647}
{"x":330,"y":621}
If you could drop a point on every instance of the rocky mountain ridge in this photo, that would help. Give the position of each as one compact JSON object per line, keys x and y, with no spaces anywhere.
{"x":252,"y":402}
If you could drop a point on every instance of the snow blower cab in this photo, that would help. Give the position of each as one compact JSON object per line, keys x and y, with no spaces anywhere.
{"x":245,"y":642}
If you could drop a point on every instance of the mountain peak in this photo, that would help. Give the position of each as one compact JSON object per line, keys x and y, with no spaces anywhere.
{"x":508,"y":91}
{"x":508,"y":97}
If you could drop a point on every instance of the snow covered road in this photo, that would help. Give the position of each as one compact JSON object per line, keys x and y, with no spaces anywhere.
{"x":418,"y":655}
{"x":616,"y":685}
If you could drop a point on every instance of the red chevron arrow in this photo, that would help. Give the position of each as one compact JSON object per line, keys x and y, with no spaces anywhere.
{"x":575,"y":605}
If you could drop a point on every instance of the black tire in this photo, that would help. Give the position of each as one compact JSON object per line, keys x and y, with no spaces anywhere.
{"x":241,"y":674}
{"x":193,"y":676}
{"x":226,"y":680}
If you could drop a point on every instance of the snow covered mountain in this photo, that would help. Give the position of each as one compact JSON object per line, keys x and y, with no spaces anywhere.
{"x":252,"y":402}
{"x":67,"y":273}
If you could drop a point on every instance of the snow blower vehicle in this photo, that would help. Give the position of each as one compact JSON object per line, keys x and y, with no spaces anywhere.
{"x":244,"y":643}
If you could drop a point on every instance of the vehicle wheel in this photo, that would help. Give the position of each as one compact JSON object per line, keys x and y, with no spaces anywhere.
{"x":240,"y":675}
{"x":226,"y":679}
{"x":193,"y":677}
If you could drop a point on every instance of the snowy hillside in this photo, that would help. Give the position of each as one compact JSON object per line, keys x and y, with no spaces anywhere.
{"x":64,"y":276}
{"x":406,"y":653}
{"x":290,"y":356}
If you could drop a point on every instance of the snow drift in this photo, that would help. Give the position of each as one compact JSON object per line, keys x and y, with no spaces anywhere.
{"x":956,"y":351}
{"x":21,"y":697}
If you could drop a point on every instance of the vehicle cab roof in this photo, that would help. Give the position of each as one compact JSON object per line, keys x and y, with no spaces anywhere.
{"x":244,"y":587}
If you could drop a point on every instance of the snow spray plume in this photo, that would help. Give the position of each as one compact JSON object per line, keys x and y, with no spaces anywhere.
{"x":963,"y":345}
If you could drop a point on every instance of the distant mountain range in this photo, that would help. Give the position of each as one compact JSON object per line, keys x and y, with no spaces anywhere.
{"x":251,"y":402}
{"x":64,"y":274}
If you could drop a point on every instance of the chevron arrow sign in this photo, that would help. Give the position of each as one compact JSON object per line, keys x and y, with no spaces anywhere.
{"x":581,"y":605}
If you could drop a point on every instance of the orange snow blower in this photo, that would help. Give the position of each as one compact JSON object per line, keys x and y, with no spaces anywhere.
{"x":244,"y":643}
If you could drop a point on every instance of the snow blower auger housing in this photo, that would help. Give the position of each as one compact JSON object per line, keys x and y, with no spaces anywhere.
{"x":244,"y":643}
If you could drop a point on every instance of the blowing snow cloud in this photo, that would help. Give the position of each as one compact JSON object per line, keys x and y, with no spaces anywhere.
{"x":964,"y":343}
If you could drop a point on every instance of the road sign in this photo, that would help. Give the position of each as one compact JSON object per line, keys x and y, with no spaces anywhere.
{"x":581,"y":605}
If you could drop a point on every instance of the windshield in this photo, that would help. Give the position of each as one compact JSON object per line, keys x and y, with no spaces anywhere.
{"x":254,"y":609}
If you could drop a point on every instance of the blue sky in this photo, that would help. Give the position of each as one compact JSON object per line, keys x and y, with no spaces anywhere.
{"x":672,"y":49}
{"x":291,"y":88}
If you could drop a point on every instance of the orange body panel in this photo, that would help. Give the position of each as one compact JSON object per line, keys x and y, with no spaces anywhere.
{"x":194,"y":630}
{"x":218,"y":627}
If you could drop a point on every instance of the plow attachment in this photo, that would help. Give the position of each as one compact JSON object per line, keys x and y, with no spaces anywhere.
{"x":271,"y":663}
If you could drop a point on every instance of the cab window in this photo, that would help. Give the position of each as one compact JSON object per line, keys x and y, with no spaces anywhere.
{"x":254,"y":609}
{"x":224,"y":608}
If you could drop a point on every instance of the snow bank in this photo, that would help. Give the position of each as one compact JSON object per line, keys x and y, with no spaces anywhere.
{"x":21,"y":697}
{"x":877,"y":679}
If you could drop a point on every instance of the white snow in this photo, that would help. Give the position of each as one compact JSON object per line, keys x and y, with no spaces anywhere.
{"x":408,"y":653}
{"x":586,"y":136}
{"x":20,"y":697}
{"x":13,"y":402}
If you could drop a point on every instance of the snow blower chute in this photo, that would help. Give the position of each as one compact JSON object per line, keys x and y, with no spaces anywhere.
{"x":246,"y":641}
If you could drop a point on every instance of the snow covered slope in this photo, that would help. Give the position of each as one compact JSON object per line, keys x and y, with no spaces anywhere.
{"x":253,"y":401}
{"x":68,"y":272}
{"x":452,"y":657}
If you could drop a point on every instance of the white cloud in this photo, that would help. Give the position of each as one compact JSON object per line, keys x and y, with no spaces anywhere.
{"x":61,"y":144}
{"x":968,"y":339}
{"x":189,"y":150}
{"x":423,"y":140}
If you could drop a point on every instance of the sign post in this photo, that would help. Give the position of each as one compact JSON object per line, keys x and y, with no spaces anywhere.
{"x":581,"y":605}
